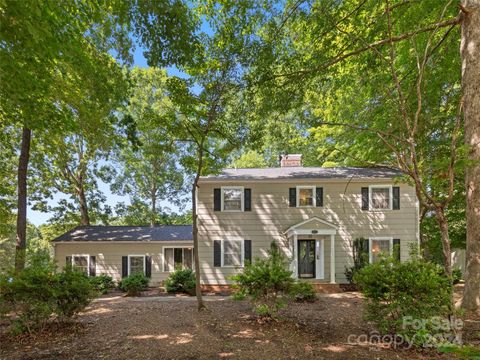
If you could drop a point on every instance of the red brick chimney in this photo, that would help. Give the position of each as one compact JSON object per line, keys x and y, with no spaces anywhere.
{"x":291,"y":160}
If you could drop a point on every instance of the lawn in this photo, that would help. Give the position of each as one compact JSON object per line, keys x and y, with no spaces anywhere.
{"x":116,"y":327}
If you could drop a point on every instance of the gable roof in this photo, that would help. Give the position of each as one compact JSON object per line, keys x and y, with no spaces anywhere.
{"x":280,"y":173}
{"x":314,"y":220}
{"x":128,"y":233}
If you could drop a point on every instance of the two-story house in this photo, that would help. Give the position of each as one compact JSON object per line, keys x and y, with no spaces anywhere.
{"x":313,"y":213}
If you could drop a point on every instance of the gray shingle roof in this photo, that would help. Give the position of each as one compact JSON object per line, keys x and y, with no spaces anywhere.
{"x":286,"y":173}
{"x":128,"y":233}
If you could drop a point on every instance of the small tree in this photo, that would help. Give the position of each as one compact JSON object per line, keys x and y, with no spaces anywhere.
{"x":360,"y":258}
{"x":267,"y":282}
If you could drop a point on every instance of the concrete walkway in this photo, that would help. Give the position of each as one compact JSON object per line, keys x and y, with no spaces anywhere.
{"x":207,"y":298}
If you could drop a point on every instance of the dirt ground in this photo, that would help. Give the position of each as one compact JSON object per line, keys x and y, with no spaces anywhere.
{"x":116,"y":327}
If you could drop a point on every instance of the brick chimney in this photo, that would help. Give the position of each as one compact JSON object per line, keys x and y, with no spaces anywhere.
{"x":291,"y":160}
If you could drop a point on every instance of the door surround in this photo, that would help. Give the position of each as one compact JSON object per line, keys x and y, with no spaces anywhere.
{"x":313,"y":227}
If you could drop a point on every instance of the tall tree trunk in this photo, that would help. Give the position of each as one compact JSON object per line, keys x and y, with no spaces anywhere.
{"x":23,"y":160}
{"x":153,"y":215}
{"x":423,"y":240}
{"x":198,"y":287}
{"x":85,"y":218}
{"x":447,"y":253}
{"x":470,"y":53}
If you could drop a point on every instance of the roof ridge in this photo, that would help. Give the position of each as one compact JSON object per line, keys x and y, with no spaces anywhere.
{"x":143,"y":226}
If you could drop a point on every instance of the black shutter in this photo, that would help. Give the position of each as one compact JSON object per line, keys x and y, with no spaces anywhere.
{"x":68,"y":261}
{"x":217,"y":201}
{"x":366,"y":250}
{"x":364,"y":198}
{"x":396,"y":198}
{"x":319,"y":195}
{"x":247,"y":251}
{"x":396,"y":249}
{"x":293,"y":197}
{"x":148,"y":266}
{"x":217,"y":253}
{"x":248,"y":199}
{"x":124,"y":266}
{"x":92,"y":266}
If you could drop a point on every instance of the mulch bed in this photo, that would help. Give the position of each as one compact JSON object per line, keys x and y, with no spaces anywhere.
{"x":117,"y":327}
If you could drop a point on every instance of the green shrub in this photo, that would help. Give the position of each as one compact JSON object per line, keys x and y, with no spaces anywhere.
{"x":303,"y":292}
{"x":134,"y":284}
{"x":400,"y":296}
{"x":266,"y":282}
{"x":32,"y":296}
{"x":182,"y":281}
{"x":456,"y":275}
{"x":102,"y":283}
{"x":360,"y":258}
{"x":73,"y":293}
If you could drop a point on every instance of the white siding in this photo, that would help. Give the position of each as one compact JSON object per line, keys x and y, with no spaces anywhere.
{"x":271,"y":216}
{"x":108,"y":255}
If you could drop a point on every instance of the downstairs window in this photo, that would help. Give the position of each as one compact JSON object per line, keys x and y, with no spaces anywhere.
{"x":177,"y":258}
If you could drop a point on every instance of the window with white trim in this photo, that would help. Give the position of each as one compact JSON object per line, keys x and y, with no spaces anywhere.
{"x":232,"y":253}
{"x":176,"y":258}
{"x":233,"y":198}
{"x":379,"y":247}
{"x":306,"y":196}
{"x":380,"y":197}
{"x":136,"y":264}
{"x":81,"y":262}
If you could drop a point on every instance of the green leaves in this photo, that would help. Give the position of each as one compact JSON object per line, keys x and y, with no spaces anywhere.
{"x":399,"y":292}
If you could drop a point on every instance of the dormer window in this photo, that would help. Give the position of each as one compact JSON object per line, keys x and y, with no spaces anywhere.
{"x":232,"y":198}
{"x":305,"y":196}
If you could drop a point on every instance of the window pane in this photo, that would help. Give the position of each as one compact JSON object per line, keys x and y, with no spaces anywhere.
{"x":136,"y":264}
{"x":177,"y":255}
{"x":232,"y":199}
{"x":381,"y":198}
{"x":188,"y":258}
{"x":380,"y":248}
{"x":305,"y":197}
{"x":168,"y":260}
{"x":81,"y":263}
{"x":232,"y":253}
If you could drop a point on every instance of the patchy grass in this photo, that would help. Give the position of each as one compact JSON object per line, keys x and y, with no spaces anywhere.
{"x":464,"y":352}
{"x":116,"y":327}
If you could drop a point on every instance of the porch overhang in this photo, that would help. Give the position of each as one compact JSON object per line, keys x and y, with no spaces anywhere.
{"x":312,"y":226}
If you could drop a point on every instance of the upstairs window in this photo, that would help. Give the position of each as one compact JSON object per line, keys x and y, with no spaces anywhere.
{"x":380,"y":197}
{"x":305,"y":196}
{"x":232,"y":198}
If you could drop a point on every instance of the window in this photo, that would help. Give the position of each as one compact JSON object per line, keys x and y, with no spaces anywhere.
{"x":232,"y":254}
{"x":305,"y":196}
{"x":177,"y":258}
{"x":232,"y":198}
{"x":380,"y":197}
{"x":379,"y":247}
{"x":81,"y":262}
{"x":136,"y":264}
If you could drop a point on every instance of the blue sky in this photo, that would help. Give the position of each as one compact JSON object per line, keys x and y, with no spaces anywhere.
{"x":38,"y":218}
